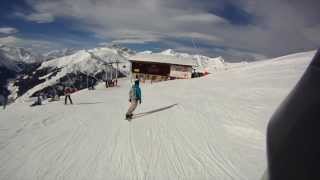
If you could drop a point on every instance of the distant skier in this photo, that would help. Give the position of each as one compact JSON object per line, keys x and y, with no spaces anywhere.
{"x":110,"y":83}
{"x":134,"y":98}
{"x":54,"y":95}
{"x":5,"y":93}
{"x":67,"y":94}
{"x":92,"y":83}
{"x":38,"y":102}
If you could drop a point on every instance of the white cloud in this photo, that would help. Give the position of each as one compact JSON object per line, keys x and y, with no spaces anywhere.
{"x":36,"y":45}
{"x":9,"y":40}
{"x":200,"y":36}
{"x":131,"y":41}
{"x":203,"y":18}
{"x":279,"y":27}
{"x":240,"y":55}
{"x":37,"y":17}
{"x":8,"y":30}
{"x":312,"y":33}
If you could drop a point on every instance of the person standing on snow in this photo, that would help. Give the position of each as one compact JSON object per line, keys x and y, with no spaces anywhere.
{"x":55,"y":96}
{"x":38,"y":102}
{"x":5,"y":93}
{"x":134,"y":98}
{"x":67,"y":94}
{"x":92,"y":83}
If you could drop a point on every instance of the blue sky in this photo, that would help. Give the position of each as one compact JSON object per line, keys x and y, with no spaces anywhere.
{"x":238,"y":29}
{"x":58,"y":32}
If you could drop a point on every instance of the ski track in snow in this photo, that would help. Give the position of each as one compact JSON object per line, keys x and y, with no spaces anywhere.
{"x":217,"y":130}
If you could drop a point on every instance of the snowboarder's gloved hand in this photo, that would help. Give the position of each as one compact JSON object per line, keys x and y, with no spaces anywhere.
{"x":139,"y":101}
{"x":129,"y":100}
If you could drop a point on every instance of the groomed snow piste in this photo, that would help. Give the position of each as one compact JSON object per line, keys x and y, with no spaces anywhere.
{"x":216,"y":130}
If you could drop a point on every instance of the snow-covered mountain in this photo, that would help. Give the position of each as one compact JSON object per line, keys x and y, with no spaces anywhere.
{"x":20,"y":55}
{"x":68,"y":65}
{"x":124,"y":51}
{"x":216,"y":131}
{"x":59,"y":66}
{"x":58,"y":53}
{"x":16,"y":60}
{"x":5,"y":74}
{"x":145,"y":52}
{"x":86,"y":61}
{"x":8,"y":63}
{"x":95,"y":64}
{"x":204,"y":64}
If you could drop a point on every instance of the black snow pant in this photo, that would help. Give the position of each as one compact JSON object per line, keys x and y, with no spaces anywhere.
{"x":66,"y":99}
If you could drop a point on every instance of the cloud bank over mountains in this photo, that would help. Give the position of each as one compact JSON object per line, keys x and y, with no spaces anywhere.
{"x":262,"y":28}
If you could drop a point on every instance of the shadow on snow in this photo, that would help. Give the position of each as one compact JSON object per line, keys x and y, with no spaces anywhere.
{"x":153,"y":111}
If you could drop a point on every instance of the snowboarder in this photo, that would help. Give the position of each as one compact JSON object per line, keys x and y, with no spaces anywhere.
{"x":5,"y":93}
{"x":134,"y":98}
{"x":67,"y":94}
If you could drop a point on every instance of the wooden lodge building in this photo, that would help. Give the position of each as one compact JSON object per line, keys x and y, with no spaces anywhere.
{"x":157,"y":67}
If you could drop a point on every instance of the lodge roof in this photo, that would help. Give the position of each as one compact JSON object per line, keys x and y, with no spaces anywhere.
{"x":165,"y":59}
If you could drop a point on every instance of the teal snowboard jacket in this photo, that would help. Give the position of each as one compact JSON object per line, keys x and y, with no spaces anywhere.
{"x":135,"y":93}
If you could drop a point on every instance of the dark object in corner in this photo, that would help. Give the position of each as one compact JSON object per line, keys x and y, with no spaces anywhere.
{"x":293,"y":144}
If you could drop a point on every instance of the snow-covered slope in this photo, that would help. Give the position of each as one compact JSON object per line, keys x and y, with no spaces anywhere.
{"x":216,"y":130}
